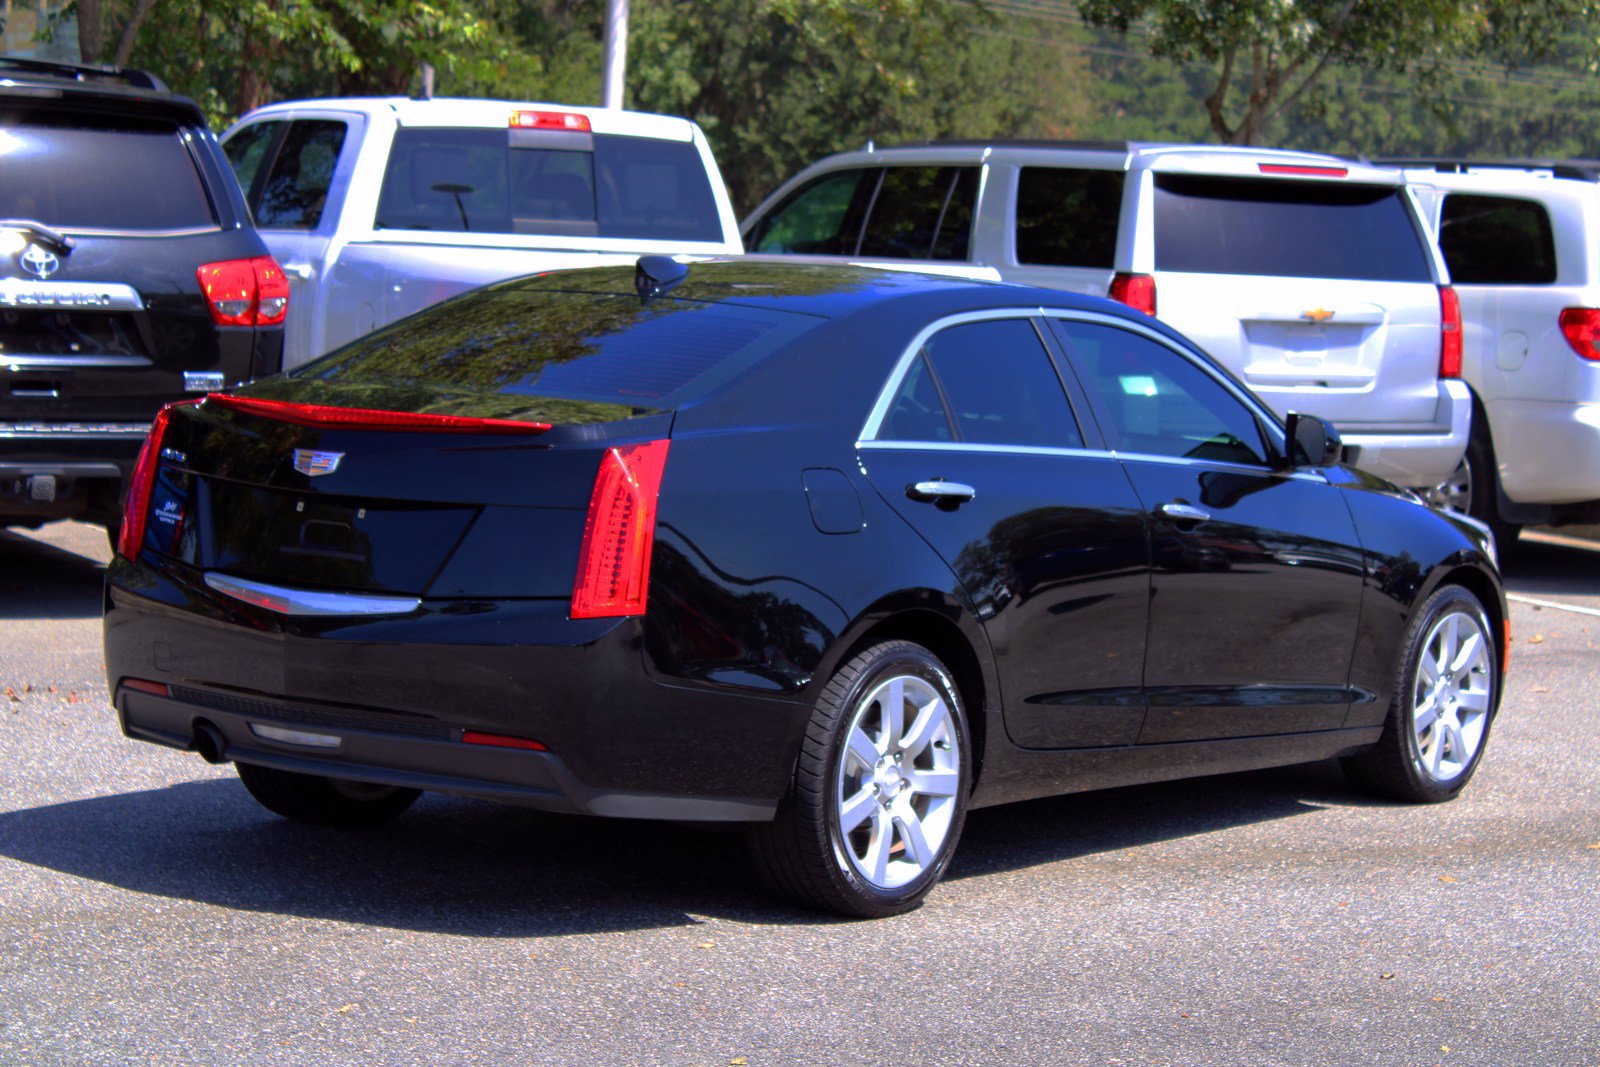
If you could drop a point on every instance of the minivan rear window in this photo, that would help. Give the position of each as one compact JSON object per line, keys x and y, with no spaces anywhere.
{"x":593,"y":347}
{"x":577,"y":185}
{"x":53,"y":170}
{"x":1207,"y":225}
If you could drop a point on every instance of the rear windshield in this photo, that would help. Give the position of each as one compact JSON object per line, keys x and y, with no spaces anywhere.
{"x":53,"y":169}
{"x":573,"y":185}
{"x":1287,"y":229}
{"x":591,"y":347}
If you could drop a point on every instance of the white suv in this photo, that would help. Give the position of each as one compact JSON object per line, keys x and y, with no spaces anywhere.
{"x":1520,"y":242}
{"x":1310,"y":276}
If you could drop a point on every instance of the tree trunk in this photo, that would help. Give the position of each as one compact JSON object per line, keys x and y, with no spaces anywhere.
{"x":91,"y":31}
{"x":130,"y":31}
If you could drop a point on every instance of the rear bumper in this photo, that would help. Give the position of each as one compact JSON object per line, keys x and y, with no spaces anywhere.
{"x":50,"y":472}
{"x":1421,"y":457}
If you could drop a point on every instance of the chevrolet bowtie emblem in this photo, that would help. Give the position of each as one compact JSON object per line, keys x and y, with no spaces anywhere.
{"x":1317,"y":315}
{"x":314,"y":463}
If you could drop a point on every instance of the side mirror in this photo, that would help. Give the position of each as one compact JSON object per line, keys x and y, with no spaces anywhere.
{"x":1313,"y":442}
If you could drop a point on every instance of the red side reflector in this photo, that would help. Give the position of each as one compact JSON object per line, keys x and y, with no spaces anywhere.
{"x":246,"y":292}
{"x":368,"y":418}
{"x":473,"y":737}
{"x":614,"y":562}
{"x":158,"y":688}
{"x":1581,"y":328}
{"x":137,"y":508}
{"x":549,"y":120}
{"x":1449,"y":333}
{"x":1304,"y":170}
{"x":1138,"y":291}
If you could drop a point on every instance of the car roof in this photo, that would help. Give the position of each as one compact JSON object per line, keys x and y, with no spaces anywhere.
{"x":457,"y":112}
{"x":117,"y":87}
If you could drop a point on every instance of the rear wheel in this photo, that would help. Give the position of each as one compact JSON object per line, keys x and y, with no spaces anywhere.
{"x":1474,"y":489}
{"x":880,"y":789}
{"x":1443,"y":705}
{"x":326,"y":801}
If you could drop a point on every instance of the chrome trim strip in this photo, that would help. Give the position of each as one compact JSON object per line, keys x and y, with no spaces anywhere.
{"x":967,"y":446}
{"x":74,"y":429}
{"x":287,"y":601}
{"x":184,"y":231}
{"x":28,"y":362}
{"x":93,"y":296}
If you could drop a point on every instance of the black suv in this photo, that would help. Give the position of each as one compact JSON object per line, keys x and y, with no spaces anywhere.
{"x":130,"y":276}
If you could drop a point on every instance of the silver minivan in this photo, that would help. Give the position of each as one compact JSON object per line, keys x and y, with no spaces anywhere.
{"x":1310,"y":276}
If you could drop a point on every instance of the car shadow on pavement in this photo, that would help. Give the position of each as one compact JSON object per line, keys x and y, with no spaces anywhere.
{"x":1566,"y":568}
{"x":40,"y":581}
{"x":479,"y":869}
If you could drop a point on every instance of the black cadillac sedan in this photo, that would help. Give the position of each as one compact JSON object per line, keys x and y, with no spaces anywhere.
{"x":833,"y":552}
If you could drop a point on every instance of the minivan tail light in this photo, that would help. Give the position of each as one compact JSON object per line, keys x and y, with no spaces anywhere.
{"x":1449,"y":333}
{"x":320,"y":415}
{"x":1305,"y":170}
{"x":137,"y":509}
{"x":619,"y":534}
{"x":1581,"y":328}
{"x":1138,"y":291}
{"x":245,"y":292}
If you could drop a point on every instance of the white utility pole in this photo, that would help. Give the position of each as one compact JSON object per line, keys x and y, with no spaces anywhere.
{"x":616,"y":64}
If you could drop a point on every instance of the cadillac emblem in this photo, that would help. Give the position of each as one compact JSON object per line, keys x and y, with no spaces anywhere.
{"x":314,"y":463}
{"x":39,"y":262}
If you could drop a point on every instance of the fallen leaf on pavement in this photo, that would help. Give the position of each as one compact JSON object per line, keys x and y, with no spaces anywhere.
{"x":1536,"y":639}
{"x":1447,"y":878}
{"x":1541,"y":689}
{"x":346,"y":1009}
{"x":1386,"y":977}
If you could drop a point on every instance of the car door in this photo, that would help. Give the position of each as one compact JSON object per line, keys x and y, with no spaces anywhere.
{"x":975,"y":443}
{"x":1256,"y":572}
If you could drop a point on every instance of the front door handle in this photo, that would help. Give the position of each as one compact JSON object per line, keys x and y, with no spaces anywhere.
{"x":1180,"y":512}
{"x":299,"y":270}
{"x":946,"y":494}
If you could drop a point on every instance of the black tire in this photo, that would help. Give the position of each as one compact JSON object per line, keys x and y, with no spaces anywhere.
{"x":1485,"y":474}
{"x":325,"y":801}
{"x":808,"y":855}
{"x":1398,"y":766}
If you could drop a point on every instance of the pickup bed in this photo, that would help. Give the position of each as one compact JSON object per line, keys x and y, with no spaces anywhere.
{"x":379,"y":207}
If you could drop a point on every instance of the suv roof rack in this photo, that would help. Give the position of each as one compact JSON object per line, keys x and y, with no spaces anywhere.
{"x":82,"y":72}
{"x":999,"y":142}
{"x":1584,"y":170}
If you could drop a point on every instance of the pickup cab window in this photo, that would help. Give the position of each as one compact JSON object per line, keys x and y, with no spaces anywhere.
{"x":302,"y":171}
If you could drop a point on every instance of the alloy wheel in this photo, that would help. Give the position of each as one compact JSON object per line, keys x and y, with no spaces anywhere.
{"x":1451,"y":695}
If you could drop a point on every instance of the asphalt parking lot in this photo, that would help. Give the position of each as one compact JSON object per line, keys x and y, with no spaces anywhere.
{"x":150,"y":912}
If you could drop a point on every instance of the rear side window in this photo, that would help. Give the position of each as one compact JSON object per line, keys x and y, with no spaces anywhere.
{"x":594,"y":347}
{"x":887,"y":212}
{"x":522,"y":182}
{"x":1068,"y":218}
{"x":54,"y":170}
{"x":989,"y":383}
{"x":1496,"y":240}
{"x":1287,"y":229}
{"x":296,"y":188}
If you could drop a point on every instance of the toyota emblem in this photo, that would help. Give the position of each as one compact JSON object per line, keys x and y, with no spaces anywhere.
{"x":39,"y":262}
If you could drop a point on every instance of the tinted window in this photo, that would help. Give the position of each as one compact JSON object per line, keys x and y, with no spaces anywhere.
{"x":1494,"y":240}
{"x":571,"y":346}
{"x":922,"y":213}
{"x":992,"y":381}
{"x":246,"y":150}
{"x":815,"y":219}
{"x":1158,"y":403}
{"x":1068,"y":218}
{"x":1286,"y":229}
{"x":567,"y":185}
{"x":297,"y":186}
{"x":91,"y":172}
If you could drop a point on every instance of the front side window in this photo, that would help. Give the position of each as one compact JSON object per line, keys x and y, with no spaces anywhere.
{"x":815,"y":219}
{"x":987,"y":383}
{"x":302,"y":172}
{"x":1156,"y":402}
{"x":1068,"y":218}
{"x":247,"y":150}
{"x":1496,"y":240}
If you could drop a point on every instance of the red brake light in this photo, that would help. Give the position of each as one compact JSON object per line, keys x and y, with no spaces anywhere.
{"x":614,"y":562}
{"x":1138,"y":291}
{"x":246,"y":292}
{"x":550,"y":120}
{"x":1581,"y":328}
{"x":1304,"y":170}
{"x":145,"y":686}
{"x":473,"y":737}
{"x":137,"y":509}
{"x":1449,"y":333}
{"x":368,"y":418}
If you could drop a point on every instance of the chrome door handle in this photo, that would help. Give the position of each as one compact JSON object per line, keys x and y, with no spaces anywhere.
{"x":941,"y":492}
{"x":299,"y":270}
{"x":1184,"y":512}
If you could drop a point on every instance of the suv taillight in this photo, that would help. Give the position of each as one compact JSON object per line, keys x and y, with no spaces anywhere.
{"x":1138,"y":291}
{"x":246,"y":292}
{"x":1581,"y":328}
{"x":1449,"y":333}
{"x":614,"y":562}
{"x":137,"y":509}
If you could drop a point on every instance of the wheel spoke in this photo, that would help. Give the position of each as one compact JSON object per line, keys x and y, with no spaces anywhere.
{"x":1474,"y":700}
{"x":855,"y":811}
{"x":876,"y":861}
{"x":929,"y":718}
{"x":917,"y":846}
{"x":935,"y":783}
{"x":1428,"y":668}
{"x":893,"y":707}
{"x":1471,"y":649}
{"x":1426,"y":712}
{"x":1449,"y":638}
{"x":1453,"y":740}
{"x":862,"y":750}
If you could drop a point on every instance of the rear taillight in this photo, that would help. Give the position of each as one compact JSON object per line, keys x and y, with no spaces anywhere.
{"x":474,"y":737}
{"x":614,"y":562}
{"x":1303,"y":170}
{"x":1581,"y":328}
{"x":137,"y":509}
{"x":321,"y":415}
{"x":246,"y":292}
{"x":1138,"y":291}
{"x":1449,"y":333}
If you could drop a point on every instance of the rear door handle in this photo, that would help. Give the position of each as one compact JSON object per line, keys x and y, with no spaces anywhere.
{"x":941,"y":492}
{"x":1184,"y":512}
{"x":299,"y":270}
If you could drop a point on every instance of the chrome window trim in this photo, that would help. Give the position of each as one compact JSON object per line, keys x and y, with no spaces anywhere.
{"x":967,"y":446}
{"x":287,"y":601}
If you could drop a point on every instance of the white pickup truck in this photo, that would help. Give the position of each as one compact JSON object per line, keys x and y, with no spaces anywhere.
{"x":378,"y":207}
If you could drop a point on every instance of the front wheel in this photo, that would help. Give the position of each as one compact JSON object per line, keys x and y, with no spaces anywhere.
{"x":1444,"y":702}
{"x":880,"y":789}
{"x":327,"y":801}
